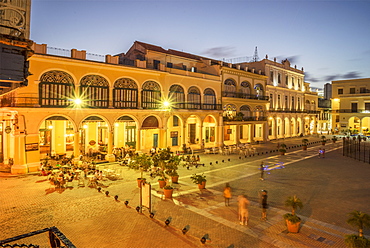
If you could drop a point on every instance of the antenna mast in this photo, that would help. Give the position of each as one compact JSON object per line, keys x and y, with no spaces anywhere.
{"x":255,"y":56}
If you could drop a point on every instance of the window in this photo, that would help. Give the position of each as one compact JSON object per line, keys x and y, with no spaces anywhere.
{"x":352,"y":90}
{"x":209,"y":99}
{"x":292,"y":81}
{"x":354,"y":107}
{"x":271,"y":102}
{"x":337,"y":118}
{"x":278,"y":102}
{"x":169,"y":65}
{"x":286,"y":80}
{"x":151,"y":95}
{"x":272,"y":76}
{"x":177,"y":96}
{"x":367,"y":106}
{"x":362,"y":90}
{"x":340,"y":91}
{"x":292,"y":107}
{"x":156,"y":64}
{"x":175,"y":121}
{"x":229,"y":88}
{"x":95,"y":89}
{"x":193,"y":98}
{"x":55,"y":89}
{"x":279,"y":78}
{"x":193,"y":69}
{"x":125,"y":93}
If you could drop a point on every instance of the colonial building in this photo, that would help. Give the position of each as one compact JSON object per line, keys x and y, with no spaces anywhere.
{"x":292,"y":108}
{"x":244,"y":104}
{"x":351,"y":106}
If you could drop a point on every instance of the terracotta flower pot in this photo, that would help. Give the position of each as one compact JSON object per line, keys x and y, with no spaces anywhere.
{"x":293,"y":228}
{"x":304,"y":147}
{"x":162,"y":183}
{"x":139,"y":182}
{"x":202,"y":185}
{"x":168,"y":193}
{"x":175,"y":179}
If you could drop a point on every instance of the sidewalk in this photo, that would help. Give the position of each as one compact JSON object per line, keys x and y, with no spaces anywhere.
{"x":91,"y":219}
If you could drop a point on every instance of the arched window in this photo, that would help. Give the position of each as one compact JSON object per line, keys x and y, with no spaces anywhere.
{"x":258,"y":113}
{"x":258,"y":89}
{"x":229,"y":88}
{"x":246,"y":110}
{"x":151,"y":95}
{"x":176,"y":96}
{"x":209,"y":99}
{"x":230,"y":111}
{"x":245,"y":90}
{"x":125,"y":94}
{"x":193,"y":98}
{"x":94,"y":91}
{"x":56,"y":89}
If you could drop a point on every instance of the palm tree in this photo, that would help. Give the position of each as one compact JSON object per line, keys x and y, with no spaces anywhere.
{"x":294,"y":202}
{"x":360,"y":220}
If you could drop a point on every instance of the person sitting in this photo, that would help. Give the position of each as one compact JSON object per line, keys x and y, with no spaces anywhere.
{"x":153,"y":151}
{"x":43,"y":172}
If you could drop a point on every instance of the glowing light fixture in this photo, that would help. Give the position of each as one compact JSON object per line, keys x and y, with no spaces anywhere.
{"x":78,"y":101}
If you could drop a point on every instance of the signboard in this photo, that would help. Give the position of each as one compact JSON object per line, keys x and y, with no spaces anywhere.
{"x":32,"y":147}
{"x":174,"y":134}
{"x":146,"y":196}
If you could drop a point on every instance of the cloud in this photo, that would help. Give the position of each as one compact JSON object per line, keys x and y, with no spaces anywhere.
{"x":220,"y":52}
{"x":292,"y":59}
{"x":329,"y":78}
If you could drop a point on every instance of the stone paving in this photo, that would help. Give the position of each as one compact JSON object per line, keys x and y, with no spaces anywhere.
{"x":92,"y":219}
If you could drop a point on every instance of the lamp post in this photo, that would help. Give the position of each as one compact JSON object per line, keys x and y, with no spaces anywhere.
{"x":167,"y":108}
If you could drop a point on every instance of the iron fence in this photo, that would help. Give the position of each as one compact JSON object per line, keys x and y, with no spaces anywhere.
{"x":55,"y":239}
{"x":356,"y":149}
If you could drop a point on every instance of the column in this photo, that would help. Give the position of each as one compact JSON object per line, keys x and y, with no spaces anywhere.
{"x":19,"y":160}
{"x":76,"y":144}
{"x":110,"y":157}
{"x":237,"y":133}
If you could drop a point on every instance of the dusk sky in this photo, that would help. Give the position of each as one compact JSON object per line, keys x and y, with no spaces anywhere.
{"x":329,"y":39}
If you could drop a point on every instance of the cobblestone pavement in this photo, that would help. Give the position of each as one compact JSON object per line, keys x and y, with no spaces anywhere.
{"x":329,"y":188}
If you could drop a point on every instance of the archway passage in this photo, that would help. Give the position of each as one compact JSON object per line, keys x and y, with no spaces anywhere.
{"x":125,"y":132}
{"x":150,"y":133}
{"x":56,"y":136}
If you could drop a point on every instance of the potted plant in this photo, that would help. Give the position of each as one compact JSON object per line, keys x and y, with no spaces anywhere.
{"x":141,"y":163}
{"x":334,"y":139}
{"x":167,"y":191}
{"x":304,"y":144}
{"x":282,"y":149}
{"x":360,"y":220}
{"x":174,"y":176}
{"x":200,"y":180}
{"x":292,"y":220}
{"x":165,"y":164}
{"x":323,"y":140}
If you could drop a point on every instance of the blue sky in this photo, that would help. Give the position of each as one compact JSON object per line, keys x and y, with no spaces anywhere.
{"x":329,"y":39}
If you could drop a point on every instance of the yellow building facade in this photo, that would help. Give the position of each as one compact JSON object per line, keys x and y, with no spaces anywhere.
{"x":350,"y":106}
{"x":76,"y":106}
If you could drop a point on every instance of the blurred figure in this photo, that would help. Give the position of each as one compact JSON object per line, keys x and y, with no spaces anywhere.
{"x":243,"y":204}
{"x":227,"y":194}
{"x":262,"y":168}
{"x":264,"y":204}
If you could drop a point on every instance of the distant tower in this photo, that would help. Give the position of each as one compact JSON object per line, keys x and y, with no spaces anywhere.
{"x":255,"y":56}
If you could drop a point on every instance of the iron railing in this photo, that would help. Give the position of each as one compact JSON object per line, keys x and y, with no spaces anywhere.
{"x":240,"y":95}
{"x":56,"y":239}
{"x":246,"y":118}
{"x":351,"y":111}
{"x":33,"y":102}
{"x":357,"y":149}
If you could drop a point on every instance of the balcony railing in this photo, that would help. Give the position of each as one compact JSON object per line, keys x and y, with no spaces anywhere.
{"x":364,"y":111}
{"x":246,"y":118}
{"x":243,"y":95}
{"x":33,"y":102}
{"x":285,"y":110}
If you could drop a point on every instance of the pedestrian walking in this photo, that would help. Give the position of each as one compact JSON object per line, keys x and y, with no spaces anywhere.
{"x":262,"y":169}
{"x":227,"y":194}
{"x":320,"y":152}
{"x":243,"y":204}
{"x":323,"y":153}
{"x":264,"y":204}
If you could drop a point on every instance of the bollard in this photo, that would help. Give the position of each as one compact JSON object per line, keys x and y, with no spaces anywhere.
{"x":185,"y":229}
{"x":107,"y":193}
{"x":228,"y":160}
{"x":126,"y":203}
{"x":223,"y":161}
{"x":138,"y":209}
{"x":116,"y":197}
{"x":210,"y":163}
{"x":151,"y":215}
{"x":99,"y":189}
{"x":168,"y":221}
